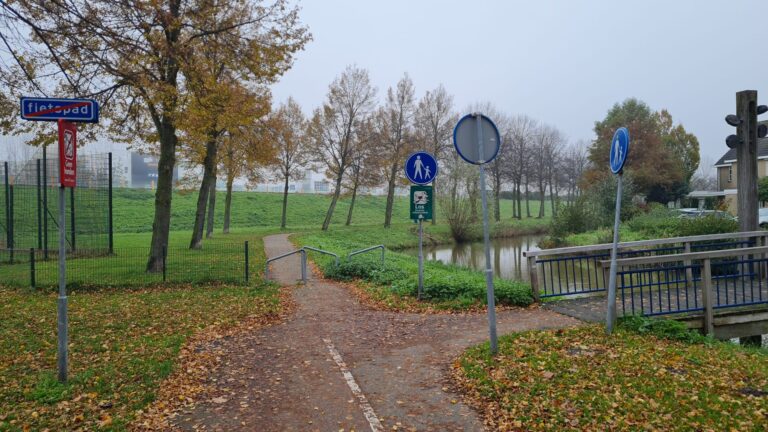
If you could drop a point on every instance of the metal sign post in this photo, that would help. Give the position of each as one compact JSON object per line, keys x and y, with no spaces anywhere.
{"x":474,"y":137}
{"x":63,"y":111}
{"x":421,"y":169}
{"x":618,"y":156}
{"x":421,"y":257}
{"x":421,"y":209}
{"x":67,"y":178}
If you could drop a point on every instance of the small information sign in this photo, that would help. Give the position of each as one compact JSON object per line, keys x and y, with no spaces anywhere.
{"x":421,"y":202}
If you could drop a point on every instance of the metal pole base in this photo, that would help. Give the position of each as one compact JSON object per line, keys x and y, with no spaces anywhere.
{"x":63,"y":338}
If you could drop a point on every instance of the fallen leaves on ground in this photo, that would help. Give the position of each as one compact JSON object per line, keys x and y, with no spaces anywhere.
{"x":580,"y":379}
{"x":123,"y":344}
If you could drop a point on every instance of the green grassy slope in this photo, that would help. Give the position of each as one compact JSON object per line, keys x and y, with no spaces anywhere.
{"x":134,"y":208}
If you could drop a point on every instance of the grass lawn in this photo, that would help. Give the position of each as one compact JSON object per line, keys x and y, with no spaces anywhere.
{"x":123,"y":342}
{"x":134,"y":209}
{"x":580,"y":379}
{"x":122,"y":345}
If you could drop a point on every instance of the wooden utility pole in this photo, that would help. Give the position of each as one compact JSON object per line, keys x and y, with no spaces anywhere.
{"x":746,"y":159}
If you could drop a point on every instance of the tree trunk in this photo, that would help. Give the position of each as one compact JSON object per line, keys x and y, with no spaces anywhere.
{"x":454,"y":193}
{"x":497,"y":199}
{"x":543,"y":202}
{"x":473,"y":190}
{"x":352,"y":204}
{"x":209,"y":164}
{"x":211,"y":208}
{"x":527,"y":201}
{"x":334,"y":200}
{"x":228,"y":203}
{"x":390,"y":195}
{"x":553,"y":198}
{"x":434,"y":203}
{"x":161,"y":224}
{"x":519,"y":202}
{"x":285,"y":202}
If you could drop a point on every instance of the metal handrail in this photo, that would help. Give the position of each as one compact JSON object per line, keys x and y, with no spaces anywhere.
{"x":654,"y":242}
{"x":285,"y":255}
{"x":322,"y":252}
{"x":368,"y":249}
{"x":692,"y":256}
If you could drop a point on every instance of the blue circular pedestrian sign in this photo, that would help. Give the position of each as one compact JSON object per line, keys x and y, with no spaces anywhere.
{"x":619,"y":149}
{"x":421,"y":168}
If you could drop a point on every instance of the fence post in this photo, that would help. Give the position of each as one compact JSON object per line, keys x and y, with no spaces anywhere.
{"x":12,"y":241}
{"x":688,"y":268}
{"x":72,"y":216}
{"x":765,"y":257}
{"x":45,"y":203}
{"x":246,"y":262}
{"x":304,"y":266}
{"x":707,"y":296}
{"x":39,"y":209}
{"x":165,"y":256}
{"x":8,"y":218}
{"x":32,"y":266}
{"x":533,"y":275}
{"x":111,"y":227}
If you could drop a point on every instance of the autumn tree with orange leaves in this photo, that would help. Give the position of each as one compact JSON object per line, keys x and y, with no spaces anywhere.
{"x":135,"y":57}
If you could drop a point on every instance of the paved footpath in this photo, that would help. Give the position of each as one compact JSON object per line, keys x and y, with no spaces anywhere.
{"x":336,"y":365}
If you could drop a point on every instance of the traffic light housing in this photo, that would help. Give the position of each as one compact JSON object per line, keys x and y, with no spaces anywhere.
{"x":733,"y":141}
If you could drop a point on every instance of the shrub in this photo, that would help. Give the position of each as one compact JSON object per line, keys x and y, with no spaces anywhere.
{"x":366,"y":269}
{"x":706,"y":225}
{"x":658,"y":222}
{"x":441,"y":282}
{"x":662,"y":328}
{"x":459,"y":216}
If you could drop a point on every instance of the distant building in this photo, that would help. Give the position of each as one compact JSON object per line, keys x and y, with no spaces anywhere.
{"x":727,"y":168}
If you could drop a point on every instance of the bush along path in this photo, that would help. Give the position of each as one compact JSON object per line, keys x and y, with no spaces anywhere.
{"x":336,"y":365}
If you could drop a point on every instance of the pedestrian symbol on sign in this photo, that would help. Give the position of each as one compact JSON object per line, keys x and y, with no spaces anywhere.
{"x":421,"y":168}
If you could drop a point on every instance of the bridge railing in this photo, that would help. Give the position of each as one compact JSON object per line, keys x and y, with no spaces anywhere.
{"x":658,"y":285}
{"x":577,"y":270}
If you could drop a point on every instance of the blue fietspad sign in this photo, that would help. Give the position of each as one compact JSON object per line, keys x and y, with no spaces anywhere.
{"x":53,"y":109}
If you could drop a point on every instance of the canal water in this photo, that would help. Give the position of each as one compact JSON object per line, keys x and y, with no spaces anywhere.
{"x":506,"y":255}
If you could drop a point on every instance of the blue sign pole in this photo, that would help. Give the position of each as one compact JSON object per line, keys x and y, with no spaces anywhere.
{"x":618,"y":156}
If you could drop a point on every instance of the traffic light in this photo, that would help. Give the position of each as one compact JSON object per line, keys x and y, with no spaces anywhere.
{"x":732,"y":141}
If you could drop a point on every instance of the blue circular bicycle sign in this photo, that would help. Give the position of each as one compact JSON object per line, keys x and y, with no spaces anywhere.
{"x":421,"y":168}
{"x":619,"y":149}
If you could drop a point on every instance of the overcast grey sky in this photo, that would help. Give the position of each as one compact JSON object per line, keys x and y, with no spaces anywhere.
{"x":562,"y":62}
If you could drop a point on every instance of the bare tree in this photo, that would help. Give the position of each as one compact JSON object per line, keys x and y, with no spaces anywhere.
{"x":288,"y":135}
{"x":365,"y":167}
{"x":705,"y":177}
{"x":394,"y":127}
{"x":546,"y":150}
{"x":574,"y":162}
{"x":332,"y":130}
{"x":521,"y":136}
{"x":435,"y":120}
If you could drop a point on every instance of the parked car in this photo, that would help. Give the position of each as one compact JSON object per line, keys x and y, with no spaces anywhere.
{"x":696,"y":213}
{"x":762,"y":217}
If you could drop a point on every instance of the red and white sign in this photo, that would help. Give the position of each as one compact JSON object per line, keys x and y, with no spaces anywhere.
{"x":68,"y":153}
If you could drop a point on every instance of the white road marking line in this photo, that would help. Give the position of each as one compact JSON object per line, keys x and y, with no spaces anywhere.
{"x":364,"y":405}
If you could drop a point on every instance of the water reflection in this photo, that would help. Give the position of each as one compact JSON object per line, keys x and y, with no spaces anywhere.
{"x":506,"y":255}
